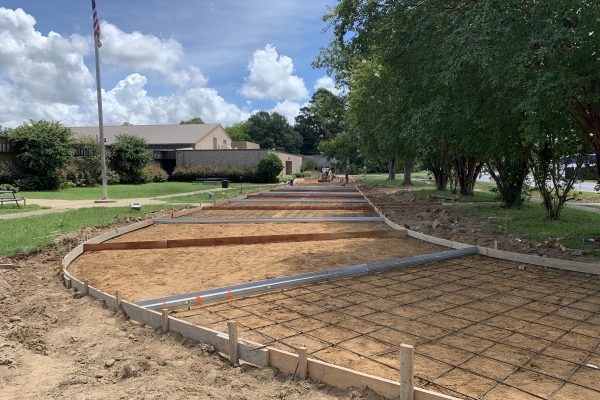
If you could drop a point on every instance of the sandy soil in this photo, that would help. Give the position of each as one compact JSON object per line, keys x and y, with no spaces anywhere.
{"x":481,"y":328}
{"x":431,"y":217}
{"x":142,"y":274}
{"x":279,"y":213}
{"x":192,"y":231}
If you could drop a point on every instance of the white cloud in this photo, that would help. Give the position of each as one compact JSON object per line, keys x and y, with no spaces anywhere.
{"x":45,"y":77}
{"x":326,"y":82}
{"x":289,"y":109}
{"x":271,"y":77}
{"x":142,"y":52}
{"x":129,"y":101}
{"x":39,"y":68}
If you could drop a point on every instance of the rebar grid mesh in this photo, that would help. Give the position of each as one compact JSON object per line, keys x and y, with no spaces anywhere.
{"x":482,"y":328}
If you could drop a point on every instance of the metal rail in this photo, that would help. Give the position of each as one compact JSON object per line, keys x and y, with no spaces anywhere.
{"x":268,"y":285}
{"x":252,"y":220}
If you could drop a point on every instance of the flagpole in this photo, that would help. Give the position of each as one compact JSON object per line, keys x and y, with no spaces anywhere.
{"x":100,"y":119}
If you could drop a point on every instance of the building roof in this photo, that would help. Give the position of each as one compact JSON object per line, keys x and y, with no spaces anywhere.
{"x":188,"y":134}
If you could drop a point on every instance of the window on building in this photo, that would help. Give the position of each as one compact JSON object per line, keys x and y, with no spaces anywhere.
{"x":215,"y":143}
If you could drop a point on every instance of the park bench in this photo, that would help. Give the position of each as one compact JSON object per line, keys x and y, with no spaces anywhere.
{"x":13,"y":199}
{"x":208,"y":180}
{"x":224,"y":181}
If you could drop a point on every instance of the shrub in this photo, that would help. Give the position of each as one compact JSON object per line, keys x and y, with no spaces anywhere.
{"x":85,"y":169}
{"x":189,"y":174}
{"x":6,"y":186}
{"x":42,"y":150}
{"x":9,"y":172}
{"x":112,"y":177}
{"x":129,"y":156}
{"x":269,"y":167}
{"x":154,"y":173}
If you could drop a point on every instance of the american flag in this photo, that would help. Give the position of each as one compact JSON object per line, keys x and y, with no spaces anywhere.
{"x":96,"y":24}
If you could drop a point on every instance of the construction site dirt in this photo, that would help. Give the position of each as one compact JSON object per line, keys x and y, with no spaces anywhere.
{"x":481,"y":328}
{"x":54,"y":344}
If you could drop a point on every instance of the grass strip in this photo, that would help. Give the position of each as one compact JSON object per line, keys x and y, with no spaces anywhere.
{"x":143,"y":190}
{"x":27,"y":234}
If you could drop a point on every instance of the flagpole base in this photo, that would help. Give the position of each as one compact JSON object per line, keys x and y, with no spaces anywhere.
{"x":101,"y":201}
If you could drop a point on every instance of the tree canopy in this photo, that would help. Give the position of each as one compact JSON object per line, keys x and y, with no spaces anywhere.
{"x":195,"y":120}
{"x":463,"y":85}
{"x":272,"y":131}
{"x":321,"y":119}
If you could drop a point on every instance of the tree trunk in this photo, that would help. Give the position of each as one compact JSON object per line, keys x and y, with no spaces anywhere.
{"x":407,"y":176}
{"x":548,"y":173}
{"x":392,"y":169}
{"x":441,"y":178}
{"x":510,"y":176}
{"x":467,"y":169}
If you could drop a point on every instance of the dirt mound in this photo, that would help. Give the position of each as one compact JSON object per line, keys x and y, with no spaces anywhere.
{"x":430,"y":216}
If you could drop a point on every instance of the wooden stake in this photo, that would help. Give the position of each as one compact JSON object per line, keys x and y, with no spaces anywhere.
{"x":86,"y":288}
{"x":165,"y":320}
{"x":119,"y":300}
{"x":233,"y":342}
{"x":302,"y":362}
{"x":495,"y":245}
{"x":407,"y":384}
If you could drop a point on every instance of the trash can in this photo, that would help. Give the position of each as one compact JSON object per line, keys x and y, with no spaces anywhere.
{"x":225,"y":184}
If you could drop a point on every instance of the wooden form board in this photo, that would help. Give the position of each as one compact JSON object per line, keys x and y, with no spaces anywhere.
{"x":237,"y":240}
{"x":271,"y":206}
{"x":304,"y":195}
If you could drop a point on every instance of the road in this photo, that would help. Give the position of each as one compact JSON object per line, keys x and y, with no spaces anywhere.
{"x":586,"y":186}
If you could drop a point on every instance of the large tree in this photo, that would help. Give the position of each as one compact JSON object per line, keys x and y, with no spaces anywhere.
{"x":473,"y":83}
{"x":239,"y":131}
{"x":272,"y":131}
{"x":321,"y":119}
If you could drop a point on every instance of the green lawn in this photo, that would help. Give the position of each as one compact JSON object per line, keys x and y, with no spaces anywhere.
{"x":218,"y":195}
{"x":13,"y":208}
{"x":426,"y":188}
{"x":529,"y":222}
{"x":381,"y":180}
{"x":27,"y":234}
{"x":119,"y":191}
{"x":586,"y":197}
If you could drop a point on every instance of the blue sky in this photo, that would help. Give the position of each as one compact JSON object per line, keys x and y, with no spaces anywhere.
{"x":213,"y":41}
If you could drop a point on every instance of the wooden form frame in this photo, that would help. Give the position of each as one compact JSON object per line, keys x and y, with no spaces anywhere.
{"x":271,"y":206}
{"x":312,"y":195}
{"x":237,"y":240}
{"x":247,"y":351}
{"x":288,"y":362}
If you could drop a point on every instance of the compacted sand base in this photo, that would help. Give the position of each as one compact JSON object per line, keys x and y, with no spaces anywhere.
{"x":270,"y":212}
{"x":192,"y":231}
{"x":142,"y":274}
{"x":482,"y":328}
